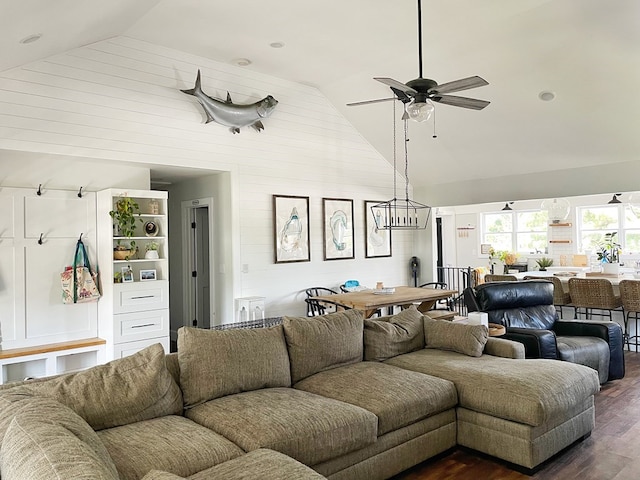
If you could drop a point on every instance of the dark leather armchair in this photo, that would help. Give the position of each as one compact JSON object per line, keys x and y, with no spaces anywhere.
{"x":526,"y":310}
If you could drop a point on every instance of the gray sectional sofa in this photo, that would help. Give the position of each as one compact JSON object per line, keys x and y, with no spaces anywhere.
{"x":337,"y":397}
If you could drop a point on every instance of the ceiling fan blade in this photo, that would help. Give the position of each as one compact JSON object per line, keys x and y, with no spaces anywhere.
{"x":459,"y":85}
{"x":366,"y":102}
{"x":472,"y":103}
{"x":396,"y":84}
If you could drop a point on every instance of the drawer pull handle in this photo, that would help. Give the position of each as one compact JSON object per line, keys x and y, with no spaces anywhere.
{"x":143,"y":325}
{"x":142,"y":296}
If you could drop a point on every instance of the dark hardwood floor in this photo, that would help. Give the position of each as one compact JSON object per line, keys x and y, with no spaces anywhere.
{"x":612,"y":452}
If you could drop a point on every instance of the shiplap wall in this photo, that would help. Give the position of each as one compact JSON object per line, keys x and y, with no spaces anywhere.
{"x":119,"y":100}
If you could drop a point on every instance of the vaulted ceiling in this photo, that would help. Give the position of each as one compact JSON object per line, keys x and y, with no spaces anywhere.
{"x":587,"y":52}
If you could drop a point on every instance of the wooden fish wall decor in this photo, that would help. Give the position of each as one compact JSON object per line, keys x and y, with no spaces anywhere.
{"x":231,"y":114}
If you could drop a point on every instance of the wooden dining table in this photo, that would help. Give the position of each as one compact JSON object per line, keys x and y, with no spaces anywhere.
{"x":369,"y":301}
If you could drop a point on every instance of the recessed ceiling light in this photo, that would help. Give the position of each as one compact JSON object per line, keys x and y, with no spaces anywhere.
{"x":31,"y":38}
{"x":241,"y":62}
{"x":276,"y":44}
{"x":546,"y":96}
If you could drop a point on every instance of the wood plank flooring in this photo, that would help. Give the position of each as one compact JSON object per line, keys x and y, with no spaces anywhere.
{"x":612,"y":452}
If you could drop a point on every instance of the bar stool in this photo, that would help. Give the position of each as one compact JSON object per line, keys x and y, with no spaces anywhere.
{"x":594,"y":294}
{"x":490,"y":277}
{"x":560,"y":297}
{"x":630,"y":295}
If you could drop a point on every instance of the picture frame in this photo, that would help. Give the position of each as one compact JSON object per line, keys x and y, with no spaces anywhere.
{"x":377,"y":242}
{"x":291,"y":229}
{"x":148,"y":275}
{"x":337,"y":214}
{"x":127,"y":274}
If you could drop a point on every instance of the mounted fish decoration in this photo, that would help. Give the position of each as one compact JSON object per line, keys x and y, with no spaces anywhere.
{"x":231,"y":114}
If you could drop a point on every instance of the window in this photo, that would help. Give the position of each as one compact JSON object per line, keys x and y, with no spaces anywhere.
{"x":521,"y":231}
{"x":597,"y":221}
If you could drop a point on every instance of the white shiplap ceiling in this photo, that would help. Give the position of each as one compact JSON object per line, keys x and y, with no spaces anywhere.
{"x":586,"y":51}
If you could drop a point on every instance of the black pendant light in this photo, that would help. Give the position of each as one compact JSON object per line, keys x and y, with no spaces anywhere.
{"x":614,"y":199}
{"x":507,"y":207}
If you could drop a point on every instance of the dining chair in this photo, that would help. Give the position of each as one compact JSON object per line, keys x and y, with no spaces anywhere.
{"x":315,"y":306}
{"x":447,"y":303}
{"x":561,"y":298}
{"x":593,"y":294}
{"x":491,"y":277}
{"x":321,"y":307}
{"x":630,"y":295}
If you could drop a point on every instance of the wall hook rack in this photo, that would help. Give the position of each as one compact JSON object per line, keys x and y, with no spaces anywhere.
{"x":40,"y":241}
{"x":39,"y":192}
{"x":80,"y":239}
{"x":80,"y":195}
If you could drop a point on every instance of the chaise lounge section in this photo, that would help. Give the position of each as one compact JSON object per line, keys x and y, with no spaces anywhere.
{"x":335,"y":396}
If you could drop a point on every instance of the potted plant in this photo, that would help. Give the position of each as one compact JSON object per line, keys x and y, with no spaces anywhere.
{"x":609,"y":253}
{"x":543,"y":263}
{"x":125,"y":215}
{"x":152,"y":250}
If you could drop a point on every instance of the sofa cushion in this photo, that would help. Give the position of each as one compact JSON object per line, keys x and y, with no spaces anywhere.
{"x":172,"y":443}
{"x":398,"y":397}
{"x":48,"y":440}
{"x":389,"y":336}
{"x":160,"y":475}
{"x":323,"y":342}
{"x":263,"y":464}
{"x":127,"y":390}
{"x":445,"y":335}
{"x":214,"y":363}
{"x":305,"y":426}
{"x":531,"y":391}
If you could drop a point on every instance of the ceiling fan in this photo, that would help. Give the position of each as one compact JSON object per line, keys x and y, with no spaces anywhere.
{"x":416,"y":93}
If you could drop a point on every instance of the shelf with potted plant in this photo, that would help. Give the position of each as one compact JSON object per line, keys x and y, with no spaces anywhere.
{"x":138,"y":294}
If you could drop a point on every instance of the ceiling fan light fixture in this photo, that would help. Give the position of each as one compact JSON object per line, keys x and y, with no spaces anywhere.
{"x":420,"y":111}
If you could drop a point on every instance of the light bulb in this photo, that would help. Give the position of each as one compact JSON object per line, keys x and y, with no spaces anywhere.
{"x":420,"y":111}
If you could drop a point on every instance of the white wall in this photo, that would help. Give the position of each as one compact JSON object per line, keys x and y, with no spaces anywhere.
{"x":119,"y":101}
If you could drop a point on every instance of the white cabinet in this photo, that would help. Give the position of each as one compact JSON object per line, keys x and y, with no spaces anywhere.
{"x":134,"y":310}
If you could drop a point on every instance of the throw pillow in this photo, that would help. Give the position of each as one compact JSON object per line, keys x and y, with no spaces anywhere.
{"x":215,"y":363}
{"x":49,"y":440}
{"x":127,"y":390}
{"x":388,"y":337}
{"x":445,"y":335}
{"x":320,"y":343}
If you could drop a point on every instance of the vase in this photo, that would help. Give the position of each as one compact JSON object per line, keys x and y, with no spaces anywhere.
{"x":611,"y":268}
{"x":152,"y":254}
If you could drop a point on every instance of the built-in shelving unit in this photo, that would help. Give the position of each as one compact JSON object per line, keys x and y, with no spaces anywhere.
{"x":134,"y":310}
{"x":52,"y":359}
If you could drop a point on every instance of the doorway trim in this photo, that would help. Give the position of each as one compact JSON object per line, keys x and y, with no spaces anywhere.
{"x":188,"y":309}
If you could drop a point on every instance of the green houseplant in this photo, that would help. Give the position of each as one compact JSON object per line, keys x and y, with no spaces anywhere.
{"x":125,"y":216}
{"x":152,"y":249}
{"x":544,"y":262}
{"x":609,"y":250}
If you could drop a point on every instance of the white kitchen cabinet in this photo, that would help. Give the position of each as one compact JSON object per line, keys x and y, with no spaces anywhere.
{"x":135,"y":314}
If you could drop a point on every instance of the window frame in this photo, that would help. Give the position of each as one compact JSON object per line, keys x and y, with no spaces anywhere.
{"x":515,"y":229}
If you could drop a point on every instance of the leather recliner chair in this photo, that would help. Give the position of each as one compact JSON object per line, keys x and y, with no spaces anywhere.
{"x":526,"y":309}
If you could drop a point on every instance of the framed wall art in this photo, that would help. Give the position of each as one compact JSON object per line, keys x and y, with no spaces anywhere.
{"x":291,"y":228}
{"x":377,"y":242}
{"x":338,"y":228}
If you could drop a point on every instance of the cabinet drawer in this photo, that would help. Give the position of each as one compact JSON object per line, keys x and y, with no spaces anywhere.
{"x":140,"y":296}
{"x":141,"y":325}
{"x":125,"y":349}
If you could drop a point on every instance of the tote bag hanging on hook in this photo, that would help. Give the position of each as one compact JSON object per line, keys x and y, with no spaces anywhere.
{"x":79,"y":283}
